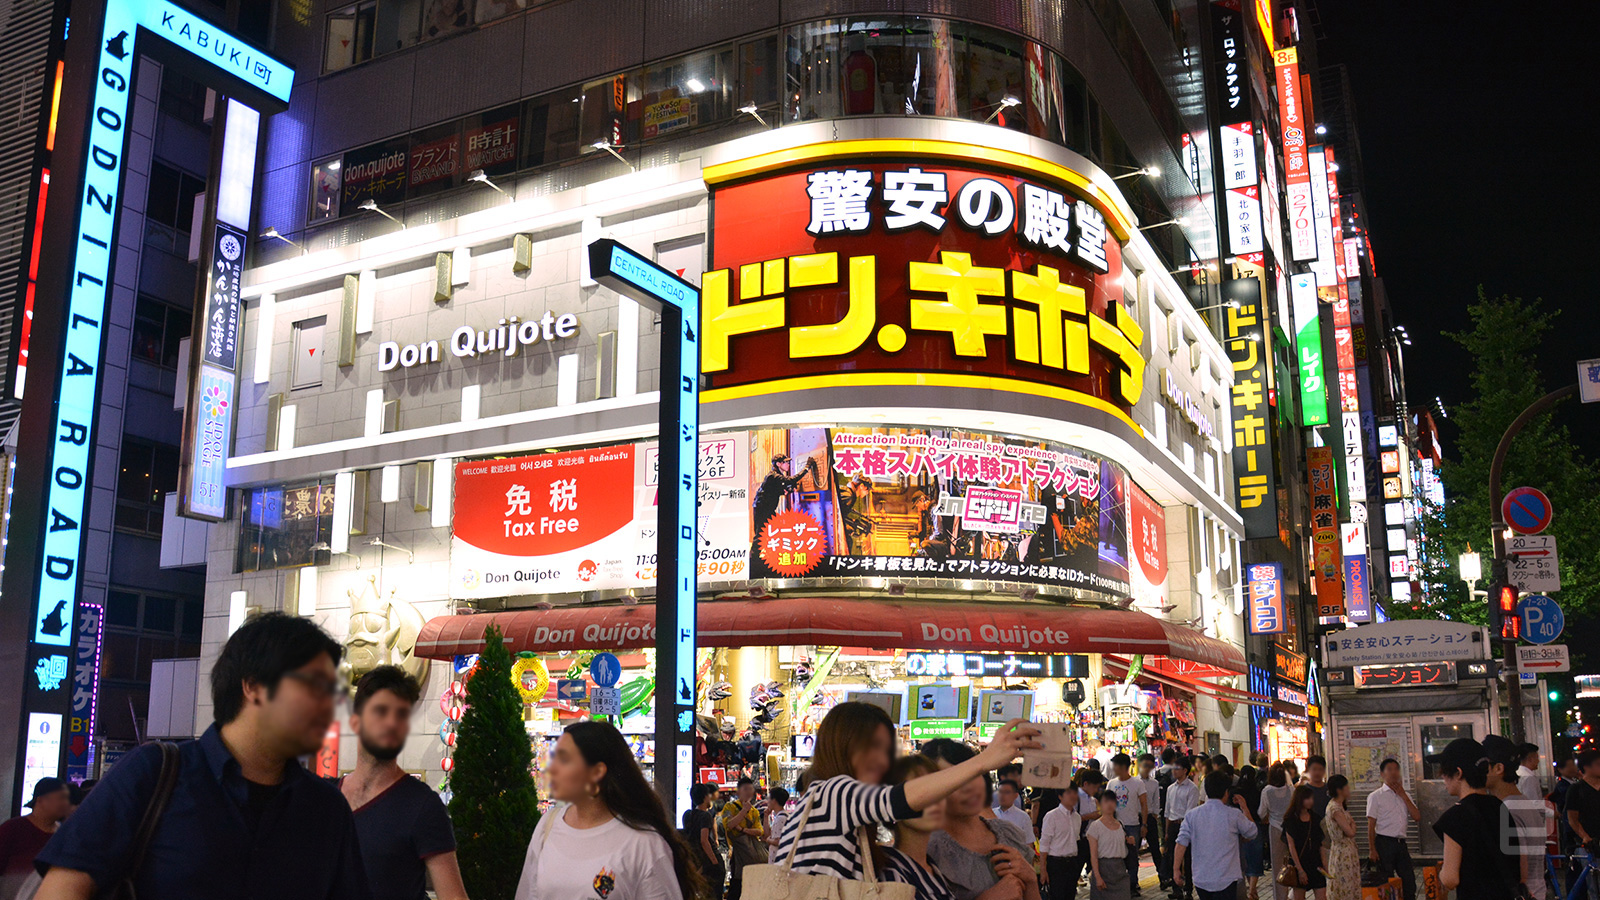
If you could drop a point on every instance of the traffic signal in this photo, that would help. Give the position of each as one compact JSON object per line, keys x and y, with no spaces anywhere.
{"x":1510,"y":622}
{"x":1555,"y":696}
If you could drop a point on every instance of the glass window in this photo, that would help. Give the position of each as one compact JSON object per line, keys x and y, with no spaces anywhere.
{"x":183,"y":98}
{"x":442,"y":17}
{"x":325,"y":189}
{"x":399,"y":23}
{"x":490,"y":141}
{"x":193,"y":617}
{"x":122,"y":609}
{"x":170,"y":198}
{"x":376,"y":173}
{"x":679,"y":94}
{"x":285,"y":527}
{"x":349,"y":35}
{"x":489,"y":10}
{"x":147,"y":473}
{"x":435,"y":163}
{"x":759,"y":73}
{"x":600,"y":119}
{"x":160,"y":613}
{"x":157,"y":330}
{"x":550,"y":130}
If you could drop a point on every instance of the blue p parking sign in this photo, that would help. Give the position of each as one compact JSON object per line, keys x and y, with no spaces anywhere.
{"x":1542,"y":618}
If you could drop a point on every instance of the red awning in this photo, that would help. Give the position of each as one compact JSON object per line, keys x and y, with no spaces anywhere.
{"x":1170,"y":672}
{"x":899,"y":624}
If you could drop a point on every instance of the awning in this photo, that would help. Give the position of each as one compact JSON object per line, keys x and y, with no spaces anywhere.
{"x":1170,"y":672}
{"x":991,"y":627}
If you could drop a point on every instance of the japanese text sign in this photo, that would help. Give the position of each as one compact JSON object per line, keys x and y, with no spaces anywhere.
{"x":1246,"y":341}
{"x":1263,"y":584}
{"x":1325,"y":546}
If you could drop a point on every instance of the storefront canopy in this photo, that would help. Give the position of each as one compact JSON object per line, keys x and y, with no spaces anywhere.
{"x":891,"y":624}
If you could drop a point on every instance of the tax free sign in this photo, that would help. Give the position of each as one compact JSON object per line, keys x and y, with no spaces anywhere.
{"x":181,"y":39}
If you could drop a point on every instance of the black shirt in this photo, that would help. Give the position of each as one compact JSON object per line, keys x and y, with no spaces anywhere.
{"x":304,"y":846}
{"x":256,"y":800}
{"x":399,"y":829}
{"x":1585,"y":801}
{"x":1478,"y":824}
{"x":696,"y":821}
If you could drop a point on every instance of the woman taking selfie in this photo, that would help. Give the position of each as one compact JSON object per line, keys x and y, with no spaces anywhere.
{"x":1302,"y":832}
{"x":907,"y":861}
{"x":854,"y":750}
{"x":1476,"y":865}
{"x":613,"y":838}
{"x":982,"y":857}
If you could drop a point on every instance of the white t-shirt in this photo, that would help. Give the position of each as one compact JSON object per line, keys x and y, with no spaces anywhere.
{"x":607,"y":862}
{"x":1128,"y":791}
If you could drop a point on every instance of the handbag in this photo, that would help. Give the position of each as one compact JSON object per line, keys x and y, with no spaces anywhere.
{"x":766,"y":881}
{"x":166,"y":780}
{"x":1288,"y":875}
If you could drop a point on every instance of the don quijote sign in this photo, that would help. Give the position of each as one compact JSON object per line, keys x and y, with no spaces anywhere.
{"x":507,"y":338}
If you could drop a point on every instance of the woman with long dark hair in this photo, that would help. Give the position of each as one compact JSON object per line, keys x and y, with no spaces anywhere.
{"x":612,"y":839}
{"x":1302,"y":832}
{"x":1274,"y":804}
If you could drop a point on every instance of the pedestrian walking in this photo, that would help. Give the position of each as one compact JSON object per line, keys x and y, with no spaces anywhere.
{"x":1009,"y":809}
{"x":846,"y":790}
{"x":1526,"y":822}
{"x":1133,"y":809}
{"x":907,"y":860}
{"x":402,"y":826}
{"x":1251,"y":852}
{"x":1058,"y":841}
{"x":612,"y":838}
{"x":1182,"y":797}
{"x":741,"y":821}
{"x":699,"y":827}
{"x":1211,"y":834}
{"x":22,"y":838}
{"x":1109,"y":846}
{"x":1302,"y":832}
{"x":981,"y":858}
{"x":1274,"y":804}
{"x":1388,"y":808}
{"x":1339,"y":836}
{"x":1316,"y":772}
{"x":1477,"y":864}
{"x":1152,"y":818}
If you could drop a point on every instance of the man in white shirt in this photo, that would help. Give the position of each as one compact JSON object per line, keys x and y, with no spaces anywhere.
{"x":1388,"y":807}
{"x":1058,"y":841}
{"x":1528,"y":774}
{"x":1182,"y":795}
{"x":1133,"y":807}
{"x":1010,"y":809}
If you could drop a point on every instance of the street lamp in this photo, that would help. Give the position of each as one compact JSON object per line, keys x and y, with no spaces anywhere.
{"x":1471,"y":566}
{"x":750,"y":109}
{"x":481,"y":178}
{"x":1152,"y":171}
{"x":372,"y":206}
{"x":611,"y":149}
{"x":272,"y":234}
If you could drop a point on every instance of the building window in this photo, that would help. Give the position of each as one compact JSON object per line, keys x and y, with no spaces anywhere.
{"x":285,"y":527}
{"x":140,"y":628}
{"x":157,"y":329}
{"x":350,"y":34}
{"x":306,"y":370}
{"x":183,"y":98}
{"x":170,"y":200}
{"x":148,"y":473}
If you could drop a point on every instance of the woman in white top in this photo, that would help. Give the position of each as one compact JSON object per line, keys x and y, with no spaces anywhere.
{"x":612,"y":839}
{"x":1108,"y":848}
{"x":845,"y":793}
{"x":1274,"y":804}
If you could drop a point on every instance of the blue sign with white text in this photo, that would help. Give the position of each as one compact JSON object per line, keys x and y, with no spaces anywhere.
{"x":1542,"y":618}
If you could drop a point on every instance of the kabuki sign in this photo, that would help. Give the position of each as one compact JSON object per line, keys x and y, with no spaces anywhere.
{"x":863,"y":269}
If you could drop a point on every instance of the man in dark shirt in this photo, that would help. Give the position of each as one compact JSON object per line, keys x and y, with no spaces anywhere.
{"x":1316,"y":771}
{"x":22,"y":838}
{"x":402,"y":824}
{"x":245,"y":821}
{"x":1583,"y":799}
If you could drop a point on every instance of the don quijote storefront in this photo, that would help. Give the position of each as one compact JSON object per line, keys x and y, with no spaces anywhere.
{"x":960,"y":453}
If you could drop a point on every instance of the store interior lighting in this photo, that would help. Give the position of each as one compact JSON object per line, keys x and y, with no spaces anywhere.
{"x":607,"y":147}
{"x":372,"y":206}
{"x":750,"y":109}
{"x":1005,"y":104}
{"x":479,"y":176}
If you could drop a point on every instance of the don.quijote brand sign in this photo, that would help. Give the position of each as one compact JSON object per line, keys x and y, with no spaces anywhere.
{"x":851,"y":271}
{"x":1187,"y":405}
{"x":508,"y":338}
{"x":1018,"y":636}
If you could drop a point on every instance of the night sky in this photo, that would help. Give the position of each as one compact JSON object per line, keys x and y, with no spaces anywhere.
{"x":1479,"y":126}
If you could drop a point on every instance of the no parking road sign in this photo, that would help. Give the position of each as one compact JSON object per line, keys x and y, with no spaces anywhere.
{"x":1527,"y":510}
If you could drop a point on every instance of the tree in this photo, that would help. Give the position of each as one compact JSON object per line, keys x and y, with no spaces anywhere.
{"x":1503,"y":341}
{"x":493,"y":805}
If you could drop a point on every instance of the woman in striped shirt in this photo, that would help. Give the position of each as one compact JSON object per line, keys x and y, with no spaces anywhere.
{"x":907,"y":861}
{"x":854,"y":749}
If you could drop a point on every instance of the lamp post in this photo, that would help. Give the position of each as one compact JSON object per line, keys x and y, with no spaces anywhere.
{"x":1471,"y":565}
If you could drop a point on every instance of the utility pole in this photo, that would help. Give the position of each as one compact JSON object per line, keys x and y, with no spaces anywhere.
{"x":1497,"y":527}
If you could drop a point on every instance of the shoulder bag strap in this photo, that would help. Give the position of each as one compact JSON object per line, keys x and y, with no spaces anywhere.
{"x":867,"y":868}
{"x":544,"y":823}
{"x":799,"y":834}
{"x":165,"y":782}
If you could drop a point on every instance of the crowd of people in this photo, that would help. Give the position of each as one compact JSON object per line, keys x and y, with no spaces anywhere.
{"x":952,"y":822}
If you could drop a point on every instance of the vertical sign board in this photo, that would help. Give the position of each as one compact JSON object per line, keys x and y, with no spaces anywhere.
{"x":1296,"y":168}
{"x":1248,"y":350}
{"x":1308,"y":347}
{"x":677,"y":545}
{"x":1357,"y":581}
{"x":1322,"y":218}
{"x":1241,"y":198}
{"x":213,"y":56}
{"x":1264,"y":587}
{"x":1325,"y":548}
{"x":85,"y":693}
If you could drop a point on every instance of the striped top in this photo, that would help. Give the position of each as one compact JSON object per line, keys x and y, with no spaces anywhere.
{"x":899,"y":867}
{"x":839,"y":806}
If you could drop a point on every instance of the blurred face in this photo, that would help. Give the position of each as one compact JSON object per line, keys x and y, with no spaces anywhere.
{"x":1568,"y":769}
{"x":1531,"y":761}
{"x":871,"y":763}
{"x":571,"y":777}
{"x":1391,"y":774}
{"x":1342,"y":794}
{"x":1008,"y":796}
{"x":295,"y":715}
{"x":747,"y":794}
{"x":1308,"y":802}
{"x":1108,"y":806}
{"x":1315,"y":771}
{"x":968,"y":800}
{"x":382,"y":725}
{"x":1146,"y":766}
{"x":1454,"y":784}
{"x":54,"y":806}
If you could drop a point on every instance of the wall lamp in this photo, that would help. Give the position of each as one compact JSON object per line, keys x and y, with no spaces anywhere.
{"x":607,"y":147}
{"x":1152,"y":171}
{"x":372,"y":206}
{"x":1231,"y":304}
{"x":750,"y":109}
{"x":1005,"y":104}
{"x":1180,"y":220}
{"x":272,"y":234}
{"x":478,"y":176}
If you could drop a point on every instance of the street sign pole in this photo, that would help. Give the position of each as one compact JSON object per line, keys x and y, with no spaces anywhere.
{"x":1497,"y":528}
{"x":677,"y":510}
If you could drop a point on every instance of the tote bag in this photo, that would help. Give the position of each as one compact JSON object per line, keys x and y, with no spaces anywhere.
{"x":767,"y":881}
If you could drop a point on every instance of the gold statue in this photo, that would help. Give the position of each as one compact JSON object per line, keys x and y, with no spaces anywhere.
{"x":381,"y":632}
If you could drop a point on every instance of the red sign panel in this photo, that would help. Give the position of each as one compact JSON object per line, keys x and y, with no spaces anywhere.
{"x":1326,"y":556}
{"x":882,"y":267}
{"x":1149,"y":534}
